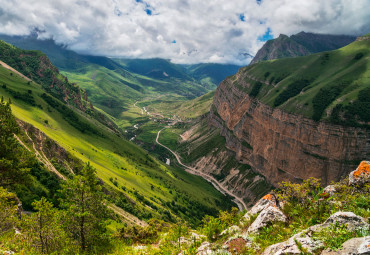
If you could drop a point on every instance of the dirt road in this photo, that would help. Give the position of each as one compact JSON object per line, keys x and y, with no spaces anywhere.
{"x":207,"y":177}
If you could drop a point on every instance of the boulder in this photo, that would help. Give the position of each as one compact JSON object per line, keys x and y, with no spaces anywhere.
{"x":204,"y":249}
{"x":330,"y":190}
{"x":267,"y":216}
{"x":361,"y":175}
{"x":354,"y":246}
{"x":266,"y":201}
{"x":352,"y":221}
{"x":290,"y":246}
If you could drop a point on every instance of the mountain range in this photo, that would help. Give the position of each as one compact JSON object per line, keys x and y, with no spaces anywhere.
{"x":301,"y":44}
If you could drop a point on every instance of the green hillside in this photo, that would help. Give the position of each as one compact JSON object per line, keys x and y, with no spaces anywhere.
{"x":187,"y":109}
{"x":332,"y":85}
{"x":119,"y":163}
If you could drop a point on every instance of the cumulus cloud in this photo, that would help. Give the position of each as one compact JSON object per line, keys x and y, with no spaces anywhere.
{"x":185,"y":31}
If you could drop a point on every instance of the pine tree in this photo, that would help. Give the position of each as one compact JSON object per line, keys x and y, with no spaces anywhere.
{"x":8,"y":210}
{"x":85,"y":209}
{"x":13,"y":158}
{"x":45,"y":228}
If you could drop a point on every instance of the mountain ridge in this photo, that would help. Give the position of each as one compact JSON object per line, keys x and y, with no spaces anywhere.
{"x":301,"y":44}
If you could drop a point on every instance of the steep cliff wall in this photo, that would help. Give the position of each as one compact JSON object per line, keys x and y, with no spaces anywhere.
{"x":204,"y":149}
{"x":280,"y":145}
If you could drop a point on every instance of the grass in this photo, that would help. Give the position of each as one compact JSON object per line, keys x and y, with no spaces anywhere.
{"x":311,"y":85}
{"x":116,"y":91}
{"x":112,"y":156}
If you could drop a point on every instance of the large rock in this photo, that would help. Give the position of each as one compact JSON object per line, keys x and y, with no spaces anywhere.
{"x":204,"y":249}
{"x":352,"y":221}
{"x":290,"y":247}
{"x":267,"y":216}
{"x":361,"y":175}
{"x":267,"y":201}
{"x":354,"y":246}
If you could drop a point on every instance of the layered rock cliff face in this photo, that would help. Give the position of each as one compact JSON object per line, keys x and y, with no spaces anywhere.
{"x":283,"y":146}
{"x":204,"y":144}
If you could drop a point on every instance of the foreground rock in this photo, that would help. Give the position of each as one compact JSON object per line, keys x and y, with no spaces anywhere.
{"x":267,"y":216}
{"x":263,"y":203}
{"x":354,"y":246}
{"x":353,"y":222}
{"x":361,"y":175}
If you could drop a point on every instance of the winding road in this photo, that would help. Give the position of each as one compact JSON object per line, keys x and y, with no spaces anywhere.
{"x":207,"y":177}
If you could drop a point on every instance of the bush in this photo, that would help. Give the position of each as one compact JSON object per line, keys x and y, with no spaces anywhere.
{"x":256,"y":89}
{"x":291,"y":91}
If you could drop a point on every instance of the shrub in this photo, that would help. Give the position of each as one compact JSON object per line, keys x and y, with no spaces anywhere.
{"x":291,"y":91}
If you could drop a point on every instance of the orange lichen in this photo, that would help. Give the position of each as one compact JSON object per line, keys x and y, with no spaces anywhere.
{"x":268,"y":197}
{"x":363,"y":168}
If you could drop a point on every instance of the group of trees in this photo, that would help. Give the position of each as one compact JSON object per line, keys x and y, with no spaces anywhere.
{"x":78,"y":222}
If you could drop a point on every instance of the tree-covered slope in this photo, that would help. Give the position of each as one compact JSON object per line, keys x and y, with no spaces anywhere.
{"x":332,"y":85}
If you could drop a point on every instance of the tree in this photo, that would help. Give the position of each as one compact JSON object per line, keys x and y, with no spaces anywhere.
{"x":85,"y":207}
{"x":8,"y":210}
{"x":14,"y":160}
{"x":44,"y":228}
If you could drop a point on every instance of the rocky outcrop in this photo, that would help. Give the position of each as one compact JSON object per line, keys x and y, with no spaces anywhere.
{"x":268,"y":216}
{"x":212,"y":158}
{"x":354,"y":246}
{"x":49,"y":152}
{"x":361,"y":175}
{"x":352,"y":221}
{"x":280,"y":145}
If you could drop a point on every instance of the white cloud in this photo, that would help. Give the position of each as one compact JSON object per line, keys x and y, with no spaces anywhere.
{"x":203,"y":31}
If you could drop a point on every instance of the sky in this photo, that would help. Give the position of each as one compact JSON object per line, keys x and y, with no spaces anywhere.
{"x":184,"y":31}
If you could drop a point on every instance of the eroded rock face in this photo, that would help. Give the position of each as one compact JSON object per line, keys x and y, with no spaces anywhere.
{"x":283,"y":146}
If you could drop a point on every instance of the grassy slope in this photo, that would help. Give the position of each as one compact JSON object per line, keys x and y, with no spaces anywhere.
{"x":184,"y":109}
{"x":323,"y":70}
{"x":112,"y":156}
{"x":115,"y":92}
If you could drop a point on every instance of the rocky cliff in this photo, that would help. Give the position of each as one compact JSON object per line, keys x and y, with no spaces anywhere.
{"x":204,"y":149}
{"x":301,"y":44}
{"x":280,"y":145}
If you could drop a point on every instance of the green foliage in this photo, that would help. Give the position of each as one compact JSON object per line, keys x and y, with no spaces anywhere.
{"x":85,"y":208}
{"x":325,"y":97}
{"x":8,"y":210}
{"x":358,"y":56}
{"x":291,"y":91}
{"x":212,"y":227}
{"x":256,"y":89}
{"x":70,"y":116}
{"x":14,"y":160}
{"x":45,"y":231}
{"x":334,"y":236}
{"x":147,"y":235}
{"x":355,"y":111}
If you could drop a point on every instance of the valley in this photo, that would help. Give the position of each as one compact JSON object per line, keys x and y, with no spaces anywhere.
{"x":180,"y":157}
